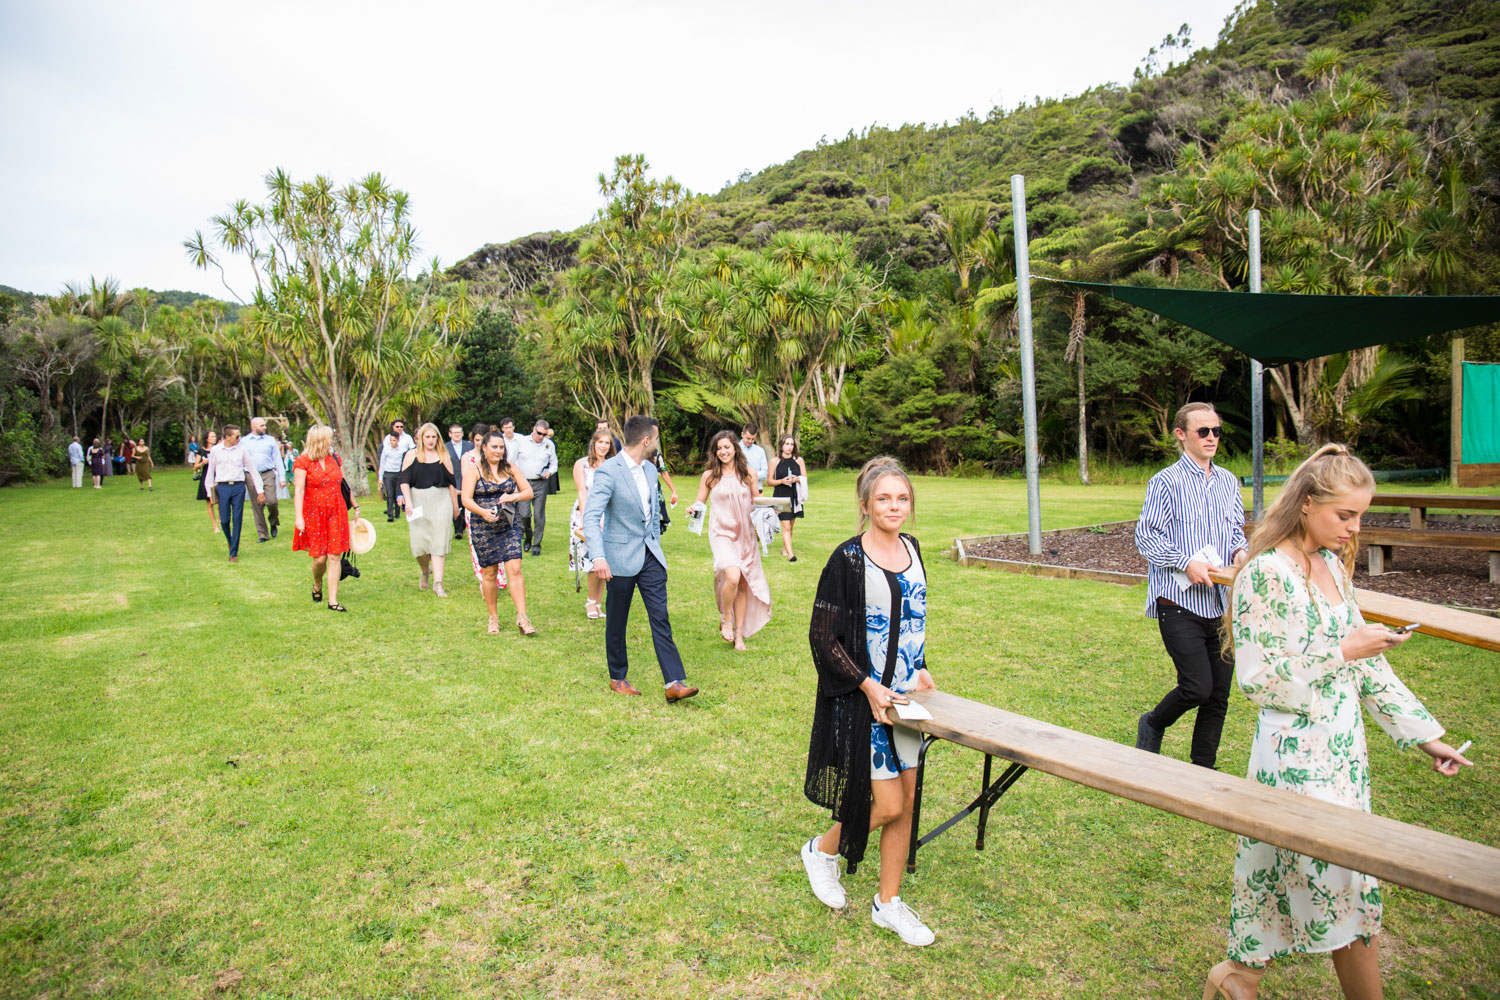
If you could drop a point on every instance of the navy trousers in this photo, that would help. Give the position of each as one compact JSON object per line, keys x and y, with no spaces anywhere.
{"x":231,"y":510}
{"x":618,"y":591}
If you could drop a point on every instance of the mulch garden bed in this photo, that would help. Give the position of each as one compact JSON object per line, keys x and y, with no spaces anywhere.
{"x":1438,"y":576}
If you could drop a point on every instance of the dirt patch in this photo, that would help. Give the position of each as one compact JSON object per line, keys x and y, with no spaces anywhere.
{"x":1438,"y":576}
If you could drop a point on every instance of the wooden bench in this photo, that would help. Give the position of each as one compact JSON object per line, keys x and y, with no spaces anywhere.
{"x":1420,"y":503}
{"x":1401,"y":853}
{"x":1445,"y":623}
{"x":1380,"y":541}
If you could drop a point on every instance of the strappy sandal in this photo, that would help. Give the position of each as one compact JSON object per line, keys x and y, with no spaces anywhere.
{"x":494,"y":624}
{"x":591,"y":608}
{"x":726,"y":628}
{"x":337,"y":607}
{"x":425,"y":577}
{"x":1219,"y":975}
{"x":318,"y":596}
{"x":437,"y":588}
{"x":739,"y":641}
{"x":524,"y":625}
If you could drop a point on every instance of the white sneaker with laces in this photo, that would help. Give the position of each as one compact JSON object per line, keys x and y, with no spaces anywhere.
{"x":902,"y":919}
{"x":823,"y":875}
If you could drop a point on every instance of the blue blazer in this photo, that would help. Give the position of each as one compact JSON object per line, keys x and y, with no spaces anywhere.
{"x":628,"y":533}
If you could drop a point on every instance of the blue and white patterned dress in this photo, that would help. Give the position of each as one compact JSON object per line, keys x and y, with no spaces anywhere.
{"x":911,"y":631}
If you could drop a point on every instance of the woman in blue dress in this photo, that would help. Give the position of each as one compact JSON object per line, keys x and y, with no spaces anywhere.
{"x":492,"y":487}
{"x":868,"y":639}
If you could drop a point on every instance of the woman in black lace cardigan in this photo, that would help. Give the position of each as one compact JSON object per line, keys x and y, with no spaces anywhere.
{"x":868,"y":644}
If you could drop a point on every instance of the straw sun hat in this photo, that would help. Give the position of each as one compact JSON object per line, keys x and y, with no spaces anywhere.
{"x":361,"y":537}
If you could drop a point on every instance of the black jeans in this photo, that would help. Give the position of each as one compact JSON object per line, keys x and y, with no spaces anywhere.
{"x":652,"y":582}
{"x":1204,"y":675}
{"x":391,"y":485}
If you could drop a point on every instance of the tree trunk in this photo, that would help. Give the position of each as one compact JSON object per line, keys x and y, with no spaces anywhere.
{"x":349,"y":442}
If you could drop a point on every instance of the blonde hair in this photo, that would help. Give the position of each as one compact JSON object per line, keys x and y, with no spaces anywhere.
{"x":1329,"y":473}
{"x":871,"y":473}
{"x":319,"y":443}
{"x":439,"y":451}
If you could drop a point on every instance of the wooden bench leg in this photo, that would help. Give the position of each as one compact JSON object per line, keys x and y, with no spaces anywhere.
{"x":1418,"y":518}
{"x":1380,"y":559}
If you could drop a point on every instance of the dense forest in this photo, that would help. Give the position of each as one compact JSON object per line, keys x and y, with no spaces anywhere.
{"x":861,"y":295}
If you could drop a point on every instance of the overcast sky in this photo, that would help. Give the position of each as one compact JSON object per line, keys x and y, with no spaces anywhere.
{"x":128,"y":125}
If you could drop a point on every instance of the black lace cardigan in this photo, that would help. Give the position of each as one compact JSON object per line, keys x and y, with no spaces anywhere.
{"x":838,"y":754}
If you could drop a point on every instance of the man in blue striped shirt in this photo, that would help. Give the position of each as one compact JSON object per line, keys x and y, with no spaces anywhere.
{"x":1191,"y":506}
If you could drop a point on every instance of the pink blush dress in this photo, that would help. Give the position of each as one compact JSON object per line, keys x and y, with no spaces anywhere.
{"x":731,"y":538}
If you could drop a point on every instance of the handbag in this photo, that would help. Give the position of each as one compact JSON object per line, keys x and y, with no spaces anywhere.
{"x":554,"y":484}
{"x":346,"y":493}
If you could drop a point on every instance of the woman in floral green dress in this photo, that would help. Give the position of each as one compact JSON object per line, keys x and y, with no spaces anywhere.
{"x":1304,"y":654}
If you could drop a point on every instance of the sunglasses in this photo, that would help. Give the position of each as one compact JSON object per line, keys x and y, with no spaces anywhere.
{"x":1214,"y":431}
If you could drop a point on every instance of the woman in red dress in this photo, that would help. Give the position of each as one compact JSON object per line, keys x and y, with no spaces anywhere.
{"x":322,"y":520}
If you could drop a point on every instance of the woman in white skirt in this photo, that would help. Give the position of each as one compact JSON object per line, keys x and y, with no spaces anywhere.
{"x":431,"y":503}
{"x":601,"y":446}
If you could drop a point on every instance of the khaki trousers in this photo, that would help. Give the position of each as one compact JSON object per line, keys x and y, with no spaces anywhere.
{"x":266,"y":515}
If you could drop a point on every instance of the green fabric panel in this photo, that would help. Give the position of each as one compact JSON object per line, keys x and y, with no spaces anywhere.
{"x":1278,"y":329}
{"x":1481,"y":420}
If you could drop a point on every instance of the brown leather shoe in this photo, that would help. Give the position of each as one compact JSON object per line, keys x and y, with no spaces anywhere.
{"x":676,"y":691}
{"x":622,"y":687}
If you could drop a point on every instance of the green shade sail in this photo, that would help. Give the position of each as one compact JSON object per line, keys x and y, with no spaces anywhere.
{"x":1276,"y":328}
{"x":1481,"y":421}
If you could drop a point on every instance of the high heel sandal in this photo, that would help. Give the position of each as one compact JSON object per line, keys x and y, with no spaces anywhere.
{"x":437,"y":588}
{"x":318,"y":595}
{"x":591,"y":608}
{"x":494,"y":624}
{"x":1219,"y":975}
{"x":726,"y":627}
{"x":523,"y":624}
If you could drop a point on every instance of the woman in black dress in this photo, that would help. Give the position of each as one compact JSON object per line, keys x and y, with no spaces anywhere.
{"x":789,"y":478}
{"x":492,"y":488}
{"x":200,"y":466}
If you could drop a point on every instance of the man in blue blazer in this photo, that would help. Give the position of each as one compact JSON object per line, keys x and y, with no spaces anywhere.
{"x":626,"y":498}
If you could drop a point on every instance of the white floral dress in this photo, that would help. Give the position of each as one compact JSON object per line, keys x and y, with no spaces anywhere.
{"x":1309,"y":739}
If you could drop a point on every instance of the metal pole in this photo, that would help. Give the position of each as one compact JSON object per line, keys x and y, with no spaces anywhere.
{"x":1028,"y":362}
{"x":1257,"y":385}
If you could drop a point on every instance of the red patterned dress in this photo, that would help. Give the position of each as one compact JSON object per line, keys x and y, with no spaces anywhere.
{"x":324,"y":515}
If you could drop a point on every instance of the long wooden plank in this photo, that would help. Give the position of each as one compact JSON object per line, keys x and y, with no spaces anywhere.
{"x":1428,"y":539}
{"x":1445,"y":623}
{"x":1432,"y":862}
{"x":1436,"y":501}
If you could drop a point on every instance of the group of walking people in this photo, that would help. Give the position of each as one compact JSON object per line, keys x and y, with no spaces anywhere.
{"x":1288,"y":629}
{"x":102,"y":461}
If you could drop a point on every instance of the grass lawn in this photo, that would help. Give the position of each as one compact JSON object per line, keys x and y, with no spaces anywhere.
{"x":210,"y":785}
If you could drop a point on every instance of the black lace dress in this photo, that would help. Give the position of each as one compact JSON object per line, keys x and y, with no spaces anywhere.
{"x":498,"y":541}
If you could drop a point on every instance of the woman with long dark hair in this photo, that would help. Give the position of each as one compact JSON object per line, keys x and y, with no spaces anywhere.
{"x":789,"y":479}
{"x":200,"y":469}
{"x":492,"y":488}
{"x":740,"y":586}
{"x":1306,"y":657}
{"x":600,"y":447}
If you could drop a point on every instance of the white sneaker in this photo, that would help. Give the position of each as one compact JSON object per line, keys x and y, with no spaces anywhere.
{"x":899,"y":917}
{"x":823,"y":875}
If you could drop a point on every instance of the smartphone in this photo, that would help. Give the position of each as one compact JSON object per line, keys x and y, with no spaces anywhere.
{"x":1403,"y":629}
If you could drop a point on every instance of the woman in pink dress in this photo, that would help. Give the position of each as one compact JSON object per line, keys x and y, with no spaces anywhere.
{"x":739,"y":582}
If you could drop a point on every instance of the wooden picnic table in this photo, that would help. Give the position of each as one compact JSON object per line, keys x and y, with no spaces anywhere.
{"x":1445,"y":623}
{"x":1421,"y":503}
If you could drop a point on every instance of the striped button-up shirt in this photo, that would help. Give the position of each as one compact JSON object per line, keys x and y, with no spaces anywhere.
{"x":1184,"y":511}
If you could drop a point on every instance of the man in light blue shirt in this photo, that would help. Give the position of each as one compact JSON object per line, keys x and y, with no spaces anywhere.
{"x":75,"y":462}
{"x":755,"y":455}
{"x":1193,"y":521}
{"x":265,"y":453}
{"x":536,"y":457}
{"x":393,"y":449}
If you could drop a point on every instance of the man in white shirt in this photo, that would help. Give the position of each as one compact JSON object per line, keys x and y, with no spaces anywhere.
{"x":392,"y":450}
{"x":622,"y":522}
{"x":536,"y":457}
{"x":228,"y":472}
{"x":265,"y":453}
{"x":755,"y":455}
{"x":508,"y":431}
{"x":75,"y":462}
